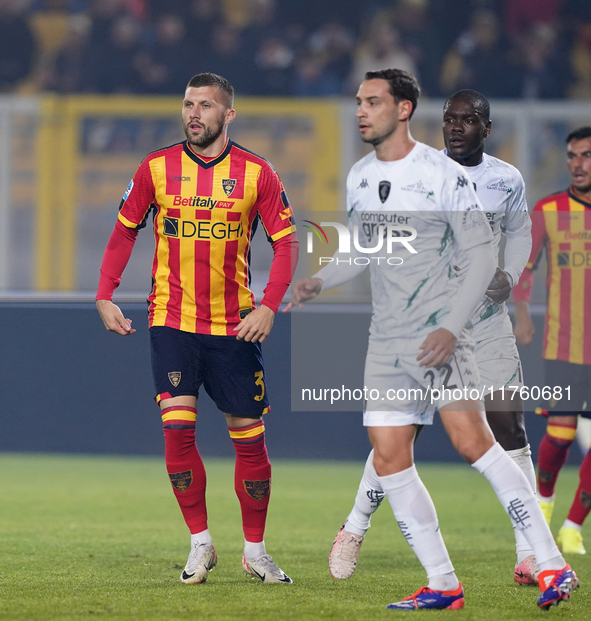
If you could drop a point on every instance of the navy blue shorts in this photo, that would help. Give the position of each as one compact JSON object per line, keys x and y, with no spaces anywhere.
{"x":573,"y":380}
{"x":230,"y":370}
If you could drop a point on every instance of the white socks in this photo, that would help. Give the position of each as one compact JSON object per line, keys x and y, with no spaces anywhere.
{"x":253,"y":551}
{"x":569,"y":524}
{"x":522,"y":457}
{"x":202,"y":538}
{"x":518,"y":500}
{"x":369,"y":498}
{"x":415,"y":513}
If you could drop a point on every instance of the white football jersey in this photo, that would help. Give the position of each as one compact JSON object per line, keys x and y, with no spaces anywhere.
{"x":428,"y":191}
{"x":501,"y":191}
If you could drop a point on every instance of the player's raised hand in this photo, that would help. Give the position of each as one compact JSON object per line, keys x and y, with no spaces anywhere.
{"x":524,"y":326}
{"x":303,"y":290}
{"x":437,"y":348}
{"x":500,"y":287}
{"x":257,"y":325}
{"x":113,"y":318}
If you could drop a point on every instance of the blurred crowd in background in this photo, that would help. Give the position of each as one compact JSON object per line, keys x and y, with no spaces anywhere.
{"x":308,"y":48}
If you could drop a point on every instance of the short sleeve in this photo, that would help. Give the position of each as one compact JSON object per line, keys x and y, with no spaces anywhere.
{"x":138,"y":198}
{"x":463,"y":210}
{"x":516,"y":220}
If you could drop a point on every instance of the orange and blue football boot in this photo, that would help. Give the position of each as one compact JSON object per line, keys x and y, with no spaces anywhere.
{"x":556,"y":586}
{"x":426,"y":598}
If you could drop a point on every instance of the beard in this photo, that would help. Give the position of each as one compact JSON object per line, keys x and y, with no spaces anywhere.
{"x":583,"y":189}
{"x":376,"y":140}
{"x":207,"y":137}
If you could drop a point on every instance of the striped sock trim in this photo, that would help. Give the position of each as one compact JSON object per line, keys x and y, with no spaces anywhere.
{"x":556,"y":431}
{"x":179,"y":417}
{"x":249,"y":434}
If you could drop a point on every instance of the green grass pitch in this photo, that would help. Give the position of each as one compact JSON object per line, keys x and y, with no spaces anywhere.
{"x":102,"y":538}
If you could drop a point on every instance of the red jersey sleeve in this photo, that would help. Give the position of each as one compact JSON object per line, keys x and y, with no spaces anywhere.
{"x":277,"y":218}
{"x":522,"y":292}
{"x":285,"y":260}
{"x":115,"y":259}
{"x":133,"y":211}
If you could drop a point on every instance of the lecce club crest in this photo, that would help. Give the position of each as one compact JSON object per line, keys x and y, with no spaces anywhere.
{"x":181,"y":481}
{"x":175,"y":378}
{"x":258,"y":490}
{"x":228,"y":185}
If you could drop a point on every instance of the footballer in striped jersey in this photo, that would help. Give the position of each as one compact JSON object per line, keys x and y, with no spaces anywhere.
{"x":561,"y":224}
{"x":207,"y":194}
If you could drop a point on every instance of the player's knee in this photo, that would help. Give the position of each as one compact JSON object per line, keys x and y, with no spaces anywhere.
{"x":508,"y":429}
{"x":381,"y":466}
{"x":386,"y":464}
{"x":182,"y":401}
{"x":519,"y":438}
{"x":472,"y":449}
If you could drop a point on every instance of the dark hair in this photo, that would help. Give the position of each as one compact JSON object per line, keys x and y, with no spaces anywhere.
{"x":579,"y":134}
{"x":212,"y":79}
{"x":403,"y":85}
{"x":478,"y":100}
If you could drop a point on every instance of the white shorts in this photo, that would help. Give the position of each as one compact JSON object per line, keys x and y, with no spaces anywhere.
{"x":497,"y":358}
{"x":400,"y":392}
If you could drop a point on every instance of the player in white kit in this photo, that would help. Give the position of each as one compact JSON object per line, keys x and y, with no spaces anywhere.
{"x":500,"y":188}
{"x":501,"y":191}
{"x":418,"y":339}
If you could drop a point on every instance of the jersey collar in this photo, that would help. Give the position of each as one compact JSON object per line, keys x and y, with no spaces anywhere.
{"x":573,"y":194}
{"x":207,"y":162}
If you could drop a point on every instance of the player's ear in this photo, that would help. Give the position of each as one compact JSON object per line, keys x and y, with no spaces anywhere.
{"x":404,"y":110}
{"x":230,"y":116}
{"x":487,"y":129}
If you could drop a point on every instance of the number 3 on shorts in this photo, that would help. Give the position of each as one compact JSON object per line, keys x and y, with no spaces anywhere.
{"x":259,"y":382}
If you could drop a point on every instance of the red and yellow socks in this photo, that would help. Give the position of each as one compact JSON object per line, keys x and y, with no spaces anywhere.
{"x":582,"y":502}
{"x":184,"y":465}
{"x":552,"y":456}
{"x":252,"y":478}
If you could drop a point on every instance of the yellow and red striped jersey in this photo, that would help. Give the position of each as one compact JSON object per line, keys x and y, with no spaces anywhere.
{"x":205,"y":213}
{"x":561,"y":223}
